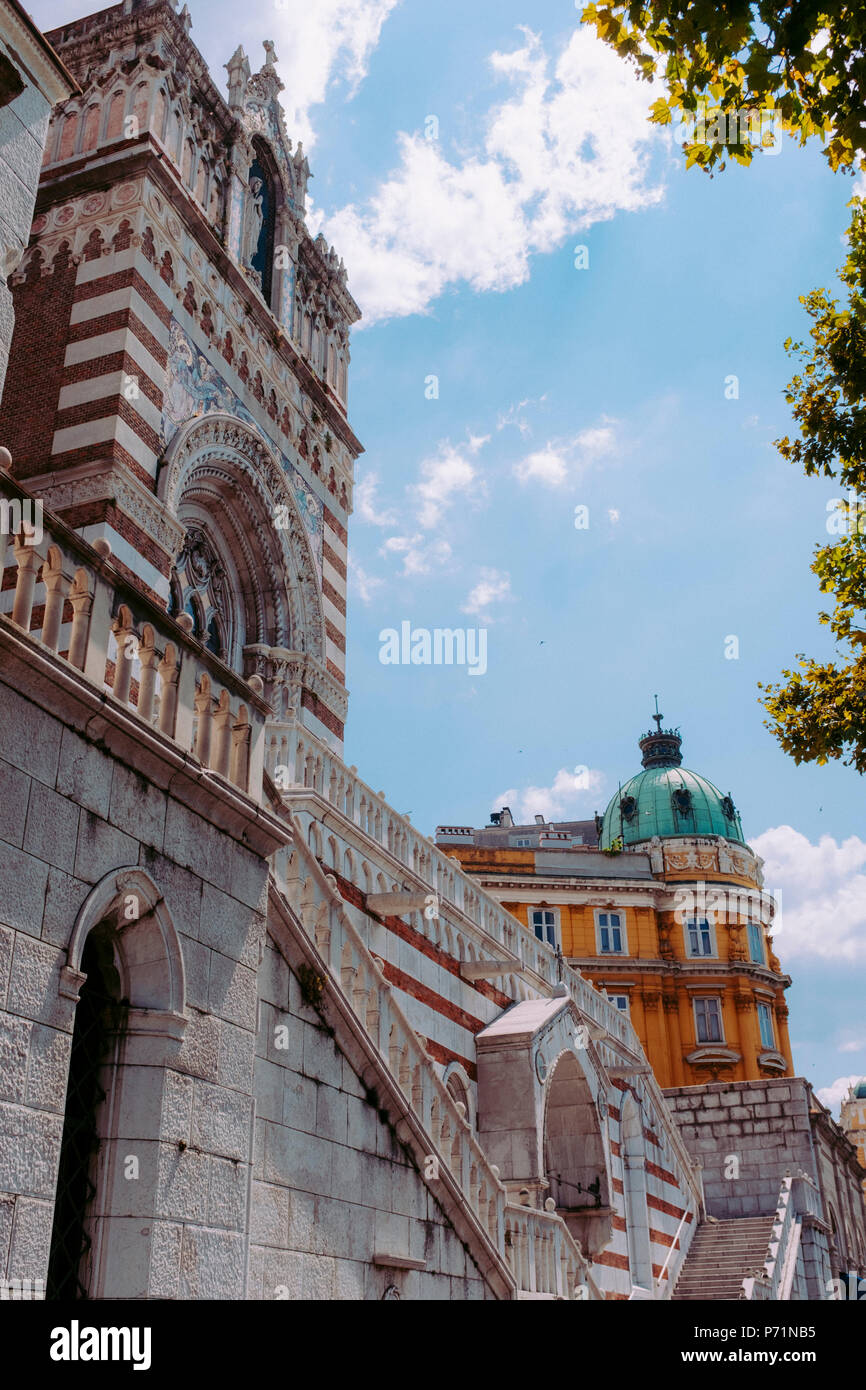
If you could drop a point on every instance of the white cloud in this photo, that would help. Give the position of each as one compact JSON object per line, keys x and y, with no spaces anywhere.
{"x":853,"y":1045}
{"x":494,"y":586}
{"x":361,"y":583}
{"x":442,"y":477}
{"x":366,"y":505}
{"x":833,"y":1095}
{"x":514,"y":415}
{"x":823,"y":889}
{"x":568,"y":798}
{"x":560,"y":461}
{"x":569,"y":148}
{"x":419,"y":555}
{"x":548,"y":466}
{"x":318,"y":45}
{"x":612,"y":515}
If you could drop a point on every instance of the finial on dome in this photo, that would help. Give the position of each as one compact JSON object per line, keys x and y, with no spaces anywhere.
{"x":661,"y":747}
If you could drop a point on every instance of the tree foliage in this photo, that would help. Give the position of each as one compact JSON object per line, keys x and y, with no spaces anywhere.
{"x":819,"y":713}
{"x":736,"y":56}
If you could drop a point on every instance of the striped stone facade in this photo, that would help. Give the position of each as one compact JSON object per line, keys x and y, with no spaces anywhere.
{"x":137,"y":315}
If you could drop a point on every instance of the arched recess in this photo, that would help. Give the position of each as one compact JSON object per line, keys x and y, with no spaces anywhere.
{"x":574,"y":1148}
{"x":459,"y":1087}
{"x":633,"y":1153}
{"x":125,"y":974}
{"x":219,"y":475}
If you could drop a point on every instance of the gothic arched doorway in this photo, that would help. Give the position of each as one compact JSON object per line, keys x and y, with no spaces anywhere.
{"x":100,"y":1019}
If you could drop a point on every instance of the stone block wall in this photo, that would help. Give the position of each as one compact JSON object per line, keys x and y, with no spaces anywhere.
{"x":332,"y":1186}
{"x":755,"y":1130}
{"x":263,"y":1168}
{"x":69,"y":814}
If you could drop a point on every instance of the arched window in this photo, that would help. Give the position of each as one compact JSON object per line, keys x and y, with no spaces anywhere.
{"x":216,"y":201}
{"x":114,"y":124}
{"x":67,"y":136}
{"x":199,"y":587}
{"x":139,"y":111}
{"x":160,"y":113}
{"x":188,"y":157}
{"x":91,"y":130}
{"x":263,"y":196}
{"x":99,"y":1021}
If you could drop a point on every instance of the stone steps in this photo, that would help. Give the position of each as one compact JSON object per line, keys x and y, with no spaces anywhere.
{"x":721,"y":1255}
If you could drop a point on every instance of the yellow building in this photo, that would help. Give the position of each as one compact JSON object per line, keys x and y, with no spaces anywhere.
{"x":853,"y":1119}
{"x":660,"y":902}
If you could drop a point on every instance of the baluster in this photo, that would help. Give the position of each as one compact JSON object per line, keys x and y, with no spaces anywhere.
{"x":204,"y":715}
{"x":29,"y":560}
{"x":168,"y":674}
{"x":372,"y":1014}
{"x":222,"y":719}
{"x":56,"y":589}
{"x":127,"y":651}
{"x":240,"y":750}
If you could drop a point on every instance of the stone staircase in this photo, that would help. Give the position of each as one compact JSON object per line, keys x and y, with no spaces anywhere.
{"x":721,"y":1255}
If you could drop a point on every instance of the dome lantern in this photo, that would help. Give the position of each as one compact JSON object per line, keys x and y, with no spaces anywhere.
{"x":666,"y":799}
{"x":661,"y":747}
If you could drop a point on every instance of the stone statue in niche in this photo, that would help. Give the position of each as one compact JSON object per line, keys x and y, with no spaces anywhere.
{"x":253,"y":217}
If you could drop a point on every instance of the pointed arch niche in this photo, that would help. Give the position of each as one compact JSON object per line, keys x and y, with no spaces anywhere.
{"x":221,"y":482}
{"x":125,"y":973}
{"x":270,"y":190}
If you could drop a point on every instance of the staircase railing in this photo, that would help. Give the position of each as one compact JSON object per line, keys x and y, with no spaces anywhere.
{"x":313,"y":777}
{"x":537,"y":1245}
{"x":798,"y":1197}
{"x":661,"y":1284}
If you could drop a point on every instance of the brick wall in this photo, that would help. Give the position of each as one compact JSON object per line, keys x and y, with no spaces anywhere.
{"x":35,"y":373}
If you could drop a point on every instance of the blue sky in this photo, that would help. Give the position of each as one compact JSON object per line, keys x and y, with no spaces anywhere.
{"x":560,"y":387}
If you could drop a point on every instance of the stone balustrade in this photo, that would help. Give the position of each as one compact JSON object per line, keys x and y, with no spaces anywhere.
{"x":539,"y":1250}
{"x":314,"y":775}
{"x":798,"y":1198}
{"x":72,"y":600}
{"x":543,"y":1257}
{"x":403,"y":850}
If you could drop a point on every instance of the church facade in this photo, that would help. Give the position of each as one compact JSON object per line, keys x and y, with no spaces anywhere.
{"x":261,"y":1038}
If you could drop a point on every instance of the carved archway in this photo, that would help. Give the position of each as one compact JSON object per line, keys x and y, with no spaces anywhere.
{"x":148,"y":955}
{"x":219,"y":474}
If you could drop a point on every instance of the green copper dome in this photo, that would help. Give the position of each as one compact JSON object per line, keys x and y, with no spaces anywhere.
{"x":860,"y":1090}
{"x":667,"y":799}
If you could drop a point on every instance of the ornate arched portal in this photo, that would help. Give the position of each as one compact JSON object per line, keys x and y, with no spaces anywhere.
{"x":227,"y":488}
